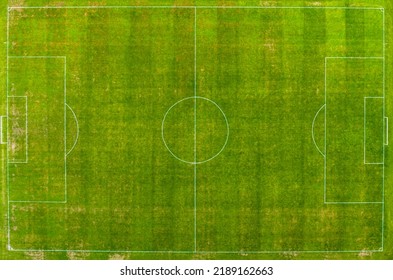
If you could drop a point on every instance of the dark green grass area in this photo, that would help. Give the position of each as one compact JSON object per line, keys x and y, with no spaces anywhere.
{"x":236,"y":91}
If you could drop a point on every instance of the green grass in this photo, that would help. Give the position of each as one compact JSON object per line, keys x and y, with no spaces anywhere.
{"x":37,"y":105}
{"x":374,"y":130}
{"x":348,"y":178}
{"x":106,"y":186}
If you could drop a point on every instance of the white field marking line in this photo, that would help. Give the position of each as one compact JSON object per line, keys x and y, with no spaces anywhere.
{"x":325,"y":157}
{"x":199,"y":252}
{"x":364,"y":128}
{"x":1,"y":130}
{"x":202,"y":252}
{"x":384,"y":114}
{"x":27,"y":130}
{"x":355,"y":202}
{"x":195,"y":129}
{"x":77,"y":129}
{"x":386,"y":125}
{"x":65,"y":125}
{"x":354,"y":57}
{"x":192,"y":7}
{"x":383,"y":165}
{"x":103,"y":251}
{"x":7,"y":154}
{"x":26,"y":160}
{"x":163,"y":129}
{"x":195,"y":207}
{"x":103,"y":7}
{"x":38,"y":201}
{"x":37,"y":56}
{"x":289,"y":252}
{"x":312,"y":129}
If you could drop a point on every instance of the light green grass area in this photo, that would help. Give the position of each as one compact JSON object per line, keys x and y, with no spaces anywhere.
{"x":196,"y":132}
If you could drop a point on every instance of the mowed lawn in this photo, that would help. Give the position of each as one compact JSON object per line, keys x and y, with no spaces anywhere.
{"x":194,"y":133}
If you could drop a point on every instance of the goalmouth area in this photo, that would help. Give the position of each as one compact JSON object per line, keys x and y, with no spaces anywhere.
{"x":196,"y":130}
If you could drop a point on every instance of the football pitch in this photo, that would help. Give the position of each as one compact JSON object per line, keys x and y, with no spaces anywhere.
{"x":196,"y":130}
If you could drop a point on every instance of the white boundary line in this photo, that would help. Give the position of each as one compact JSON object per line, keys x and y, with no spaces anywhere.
{"x":7,"y":153}
{"x":195,"y":130}
{"x":365,"y":118}
{"x":312,"y":129}
{"x":200,"y":252}
{"x":194,"y":7}
{"x":65,"y":136}
{"x":324,"y":159}
{"x":26,"y":159}
{"x":384,"y":114}
{"x":1,"y":130}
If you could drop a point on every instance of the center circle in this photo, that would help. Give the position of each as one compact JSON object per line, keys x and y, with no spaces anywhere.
{"x":195,"y":130}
